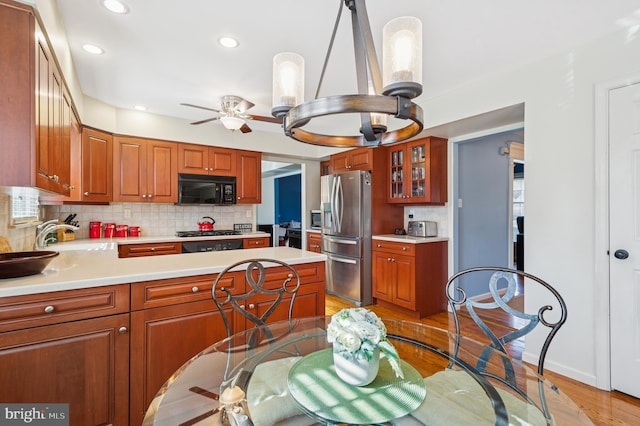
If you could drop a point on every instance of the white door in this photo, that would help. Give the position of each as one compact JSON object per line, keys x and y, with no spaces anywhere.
{"x":624,"y":235}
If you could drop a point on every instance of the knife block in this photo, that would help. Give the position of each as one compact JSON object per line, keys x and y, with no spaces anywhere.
{"x":66,"y":235}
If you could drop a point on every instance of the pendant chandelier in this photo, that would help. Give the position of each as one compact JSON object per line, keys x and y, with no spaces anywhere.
{"x":374,"y":102}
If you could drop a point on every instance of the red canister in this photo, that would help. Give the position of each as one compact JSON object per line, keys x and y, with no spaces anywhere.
{"x":95,"y":229}
{"x":134,"y":231}
{"x":121,"y":230}
{"x":109,"y":230}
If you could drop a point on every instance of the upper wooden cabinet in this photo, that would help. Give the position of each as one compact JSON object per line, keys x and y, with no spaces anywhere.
{"x":249,"y":177}
{"x":418,"y":172}
{"x":206,"y":160}
{"x":353,"y":159}
{"x":325,"y":168}
{"x":97,"y":166}
{"x":145,"y":170}
{"x":35,"y":106}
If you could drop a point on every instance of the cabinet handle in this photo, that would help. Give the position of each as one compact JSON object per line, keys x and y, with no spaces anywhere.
{"x":194,"y":289}
{"x":251,"y":306}
{"x":404,"y":249}
{"x":153,"y":249}
{"x":241,"y":306}
{"x":393,"y":260}
{"x":388,"y":259}
{"x":206,"y":168}
{"x":144,"y":195}
{"x":54,"y":178}
{"x":149,"y":195}
{"x":379,"y":245}
{"x":49,"y":309}
{"x":86,"y":194}
{"x":257,"y":242}
{"x":122,"y":330}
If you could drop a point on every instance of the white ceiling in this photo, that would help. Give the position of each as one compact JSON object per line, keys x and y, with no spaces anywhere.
{"x":165,"y":52}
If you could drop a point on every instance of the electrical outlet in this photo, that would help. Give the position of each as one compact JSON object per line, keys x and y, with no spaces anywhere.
{"x":127,"y":213}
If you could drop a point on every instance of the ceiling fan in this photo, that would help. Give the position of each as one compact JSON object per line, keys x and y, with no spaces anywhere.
{"x":233,"y":112}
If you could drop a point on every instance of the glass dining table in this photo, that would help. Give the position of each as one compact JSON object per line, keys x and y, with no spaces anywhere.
{"x":286,"y":374}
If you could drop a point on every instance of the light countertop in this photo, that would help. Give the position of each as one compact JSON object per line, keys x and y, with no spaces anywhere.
{"x":409,"y":239}
{"x":95,"y":267}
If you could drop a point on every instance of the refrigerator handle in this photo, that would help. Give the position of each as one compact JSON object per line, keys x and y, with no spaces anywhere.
{"x":341,"y":241}
{"x":343,"y":260}
{"x":338,"y":203}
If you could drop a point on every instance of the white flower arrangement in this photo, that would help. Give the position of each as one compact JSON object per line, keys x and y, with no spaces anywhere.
{"x":359,"y":331}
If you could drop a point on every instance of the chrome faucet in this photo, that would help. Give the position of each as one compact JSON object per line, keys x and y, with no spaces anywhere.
{"x":45,"y":229}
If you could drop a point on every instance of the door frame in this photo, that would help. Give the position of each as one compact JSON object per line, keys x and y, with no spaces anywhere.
{"x":601,"y":247}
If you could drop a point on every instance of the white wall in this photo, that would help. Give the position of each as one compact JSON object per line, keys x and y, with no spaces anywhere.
{"x":558,"y":93}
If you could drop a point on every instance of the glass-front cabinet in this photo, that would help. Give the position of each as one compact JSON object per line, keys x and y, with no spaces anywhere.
{"x":418,"y":172}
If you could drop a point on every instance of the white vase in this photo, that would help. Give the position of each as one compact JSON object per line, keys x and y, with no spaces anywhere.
{"x":357,"y":371}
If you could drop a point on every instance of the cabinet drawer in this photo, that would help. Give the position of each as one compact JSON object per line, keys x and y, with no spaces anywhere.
{"x":155,"y":249}
{"x":20,"y":312}
{"x":308,"y":272}
{"x":255,"y":242}
{"x":392,"y":247}
{"x":172,"y":291}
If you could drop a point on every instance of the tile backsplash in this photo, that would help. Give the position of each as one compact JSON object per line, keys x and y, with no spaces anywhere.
{"x":154,"y":219}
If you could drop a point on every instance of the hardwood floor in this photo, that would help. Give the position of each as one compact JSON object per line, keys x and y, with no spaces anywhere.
{"x":604,"y":408}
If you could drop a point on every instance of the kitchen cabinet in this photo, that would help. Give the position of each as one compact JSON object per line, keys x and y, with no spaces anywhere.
{"x":418,"y":172}
{"x":35,"y":106}
{"x":145,"y":170}
{"x":206,"y":160}
{"x":164,"y":310}
{"x":353,"y":159}
{"x":149,"y":249}
{"x":325,"y":168}
{"x":314,"y":242}
{"x":249,"y":178}
{"x":257,"y":242}
{"x":97,"y":166}
{"x":410,"y":277}
{"x":68,"y":347}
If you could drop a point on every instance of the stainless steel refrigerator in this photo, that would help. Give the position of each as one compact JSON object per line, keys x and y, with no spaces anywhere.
{"x":346,"y":234}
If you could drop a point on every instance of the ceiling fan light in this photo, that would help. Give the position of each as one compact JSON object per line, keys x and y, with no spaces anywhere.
{"x":402,"y":57}
{"x":288,"y":82}
{"x":232,"y":123}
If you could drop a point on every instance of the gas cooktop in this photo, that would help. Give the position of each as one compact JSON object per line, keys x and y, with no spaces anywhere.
{"x":206,"y":233}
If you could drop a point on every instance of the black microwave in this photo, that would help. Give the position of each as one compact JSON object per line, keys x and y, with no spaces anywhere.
{"x":204,"y":189}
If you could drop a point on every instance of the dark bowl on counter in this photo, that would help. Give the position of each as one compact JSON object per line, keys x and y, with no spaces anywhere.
{"x":22,"y":263}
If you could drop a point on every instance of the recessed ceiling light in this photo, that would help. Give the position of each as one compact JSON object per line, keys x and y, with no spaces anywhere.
{"x":228,"y":42}
{"x":140,"y":107}
{"x":93,"y":49}
{"x":115,"y":6}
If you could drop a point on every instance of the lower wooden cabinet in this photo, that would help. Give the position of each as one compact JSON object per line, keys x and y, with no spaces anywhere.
{"x":410,"y":277}
{"x":82,"y":363}
{"x":107,"y":350}
{"x":148,"y":249}
{"x":314,"y":242}
{"x":255,"y":242}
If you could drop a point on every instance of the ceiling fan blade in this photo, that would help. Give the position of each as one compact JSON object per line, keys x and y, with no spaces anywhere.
{"x":206,"y":121}
{"x":245,"y":128}
{"x":243,"y":106}
{"x":263,"y":118}
{"x":201,"y":107}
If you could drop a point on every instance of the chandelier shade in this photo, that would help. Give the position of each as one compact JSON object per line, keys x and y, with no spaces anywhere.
{"x":402,"y":55}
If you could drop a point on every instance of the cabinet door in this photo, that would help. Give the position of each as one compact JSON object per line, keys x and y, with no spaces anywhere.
{"x":162,"y":171}
{"x":44,"y":62}
{"x":361,"y":159}
{"x":340,"y":162}
{"x":162,"y":339}
{"x":396,"y":174}
{"x":66,"y":182}
{"x":383,"y":276}
{"x":129,"y":170}
{"x":222,"y":161}
{"x":248,"y":243}
{"x":193,"y":159}
{"x":249,"y":182}
{"x":82,"y":363}
{"x":97,"y":166}
{"x":404,"y":282}
{"x":314,"y":242}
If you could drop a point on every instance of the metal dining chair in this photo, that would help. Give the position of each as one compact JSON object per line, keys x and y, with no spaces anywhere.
{"x":261,"y":286}
{"x":499,"y":312}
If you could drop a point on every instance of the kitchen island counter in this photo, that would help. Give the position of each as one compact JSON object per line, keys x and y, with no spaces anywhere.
{"x":85,"y":268}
